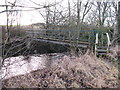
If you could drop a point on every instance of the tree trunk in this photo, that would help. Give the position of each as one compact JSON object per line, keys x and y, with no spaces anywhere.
{"x":78,"y":12}
{"x":78,"y":19}
{"x":47,"y":17}
{"x":118,"y":18}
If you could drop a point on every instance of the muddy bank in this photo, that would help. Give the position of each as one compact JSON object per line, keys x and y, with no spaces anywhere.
{"x":63,"y":71}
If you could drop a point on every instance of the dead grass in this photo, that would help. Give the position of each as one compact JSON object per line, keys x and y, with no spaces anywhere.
{"x":85,"y":71}
{"x":115,"y":52}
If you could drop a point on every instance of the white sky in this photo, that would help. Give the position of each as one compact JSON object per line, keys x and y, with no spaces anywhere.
{"x":28,"y":17}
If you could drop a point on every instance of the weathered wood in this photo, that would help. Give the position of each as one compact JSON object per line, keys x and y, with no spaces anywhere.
{"x":60,"y":42}
{"x":86,"y":38}
{"x":102,"y":50}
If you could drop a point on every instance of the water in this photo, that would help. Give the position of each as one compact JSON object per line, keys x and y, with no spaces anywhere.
{"x":19,"y":65}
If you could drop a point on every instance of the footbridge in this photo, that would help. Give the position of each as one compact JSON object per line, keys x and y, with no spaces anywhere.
{"x":98,"y":40}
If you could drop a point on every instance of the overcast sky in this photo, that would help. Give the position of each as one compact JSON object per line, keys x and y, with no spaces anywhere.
{"x":28,"y":17}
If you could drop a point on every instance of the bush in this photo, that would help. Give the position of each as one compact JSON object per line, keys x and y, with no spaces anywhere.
{"x":16,"y":32}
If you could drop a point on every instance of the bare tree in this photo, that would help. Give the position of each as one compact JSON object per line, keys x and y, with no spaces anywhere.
{"x":102,"y":14}
{"x":87,"y":8}
{"x":78,"y":12}
{"x":102,"y":8}
{"x":119,"y":17}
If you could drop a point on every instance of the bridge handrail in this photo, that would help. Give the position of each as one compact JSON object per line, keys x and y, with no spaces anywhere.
{"x":96,"y":40}
{"x":108,"y":38}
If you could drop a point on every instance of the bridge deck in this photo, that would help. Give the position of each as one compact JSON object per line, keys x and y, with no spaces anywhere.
{"x":65,"y":42}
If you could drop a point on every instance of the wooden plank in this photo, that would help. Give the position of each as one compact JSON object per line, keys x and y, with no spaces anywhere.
{"x":101,"y":50}
{"x":101,"y":53}
{"x":59,"y":42}
{"x":102,"y":47}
